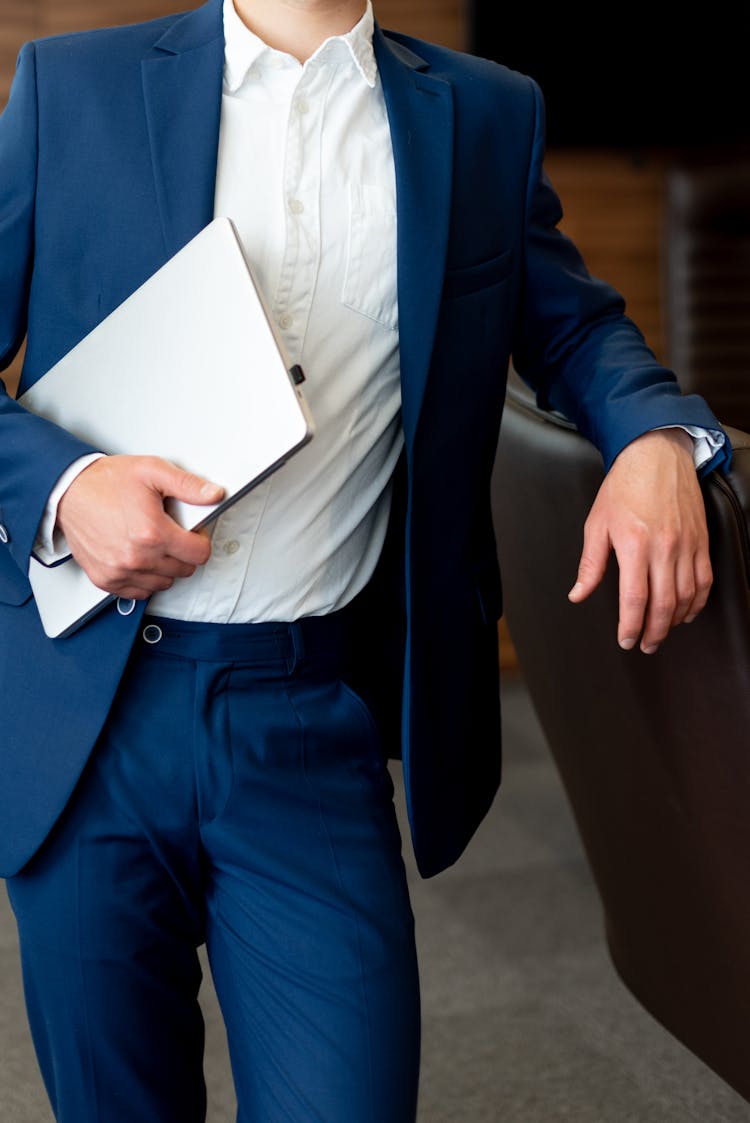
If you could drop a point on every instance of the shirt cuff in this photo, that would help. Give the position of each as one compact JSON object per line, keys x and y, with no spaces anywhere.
{"x":706,"y":442}
{"x":50,"y":545}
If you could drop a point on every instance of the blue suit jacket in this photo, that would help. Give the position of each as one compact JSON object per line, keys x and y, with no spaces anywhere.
{"x":107,"y":165}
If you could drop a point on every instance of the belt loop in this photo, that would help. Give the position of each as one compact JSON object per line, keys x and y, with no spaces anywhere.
{"x":298,"y":647}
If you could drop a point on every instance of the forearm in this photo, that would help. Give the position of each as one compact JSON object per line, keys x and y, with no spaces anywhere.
{"x":50,"y":545}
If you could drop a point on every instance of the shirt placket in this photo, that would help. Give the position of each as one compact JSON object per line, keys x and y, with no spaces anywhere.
{"x":301,"y":187}
{"x":236,"y":531}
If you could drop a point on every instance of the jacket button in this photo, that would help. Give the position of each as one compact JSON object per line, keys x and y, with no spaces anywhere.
{"x":4,"y":536}
{"x":125,"y":606}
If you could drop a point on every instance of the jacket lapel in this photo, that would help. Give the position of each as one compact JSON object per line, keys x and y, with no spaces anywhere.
{"x":420,"y":113}
{"x":182,"y":78}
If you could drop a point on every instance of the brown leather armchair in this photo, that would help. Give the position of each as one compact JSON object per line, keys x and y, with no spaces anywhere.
{"x":654,"y":752}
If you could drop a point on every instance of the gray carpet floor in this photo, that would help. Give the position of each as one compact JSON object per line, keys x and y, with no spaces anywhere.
{"x":525,"y":1020}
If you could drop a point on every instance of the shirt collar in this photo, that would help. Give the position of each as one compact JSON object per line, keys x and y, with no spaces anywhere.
{"x":243,"y":48}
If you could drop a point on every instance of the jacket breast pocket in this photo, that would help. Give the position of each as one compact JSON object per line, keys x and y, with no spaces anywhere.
{"x":474,"y":278}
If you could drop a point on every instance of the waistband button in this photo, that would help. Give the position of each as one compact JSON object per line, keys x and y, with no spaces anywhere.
{"x":152,"y":633}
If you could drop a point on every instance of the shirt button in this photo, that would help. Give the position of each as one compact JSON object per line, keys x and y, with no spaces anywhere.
{"x":231,"y":547}
{"x":296,"y":206}
{"x":301,"y":105}
{"x":285,"y":321}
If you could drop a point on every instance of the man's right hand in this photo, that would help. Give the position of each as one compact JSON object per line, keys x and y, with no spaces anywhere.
{"x":117,"y":529}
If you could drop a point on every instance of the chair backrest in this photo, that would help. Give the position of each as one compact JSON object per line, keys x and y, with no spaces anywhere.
{"x":654,"y":752}
{"x":707,"y":279}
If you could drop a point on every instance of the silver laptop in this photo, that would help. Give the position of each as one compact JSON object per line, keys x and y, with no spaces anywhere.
{"x":188,"y":368}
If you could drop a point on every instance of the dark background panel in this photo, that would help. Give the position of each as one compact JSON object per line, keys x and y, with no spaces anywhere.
{"x":637,"y":76}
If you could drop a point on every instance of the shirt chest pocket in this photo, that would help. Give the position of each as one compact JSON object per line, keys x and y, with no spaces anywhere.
{"x":370,"y":276}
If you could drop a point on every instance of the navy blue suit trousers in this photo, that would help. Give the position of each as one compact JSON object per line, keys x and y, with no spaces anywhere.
{"x":238,"y":796}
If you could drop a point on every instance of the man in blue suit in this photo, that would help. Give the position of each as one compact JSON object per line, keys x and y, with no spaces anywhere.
{"x":205,"y":760}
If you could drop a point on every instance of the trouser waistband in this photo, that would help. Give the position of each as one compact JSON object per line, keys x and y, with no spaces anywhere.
{"x":311,"y":638}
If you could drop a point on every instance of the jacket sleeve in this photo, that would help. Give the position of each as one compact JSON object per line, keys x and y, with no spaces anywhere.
{"x":576,"y":346}
{"x":33,"y":452}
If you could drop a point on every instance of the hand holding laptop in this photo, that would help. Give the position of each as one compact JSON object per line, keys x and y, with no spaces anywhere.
{"x":117,"y":529}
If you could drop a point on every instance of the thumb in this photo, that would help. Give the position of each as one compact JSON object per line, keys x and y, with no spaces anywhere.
{"x":592,"y":566}
{"x":176,"y":483}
